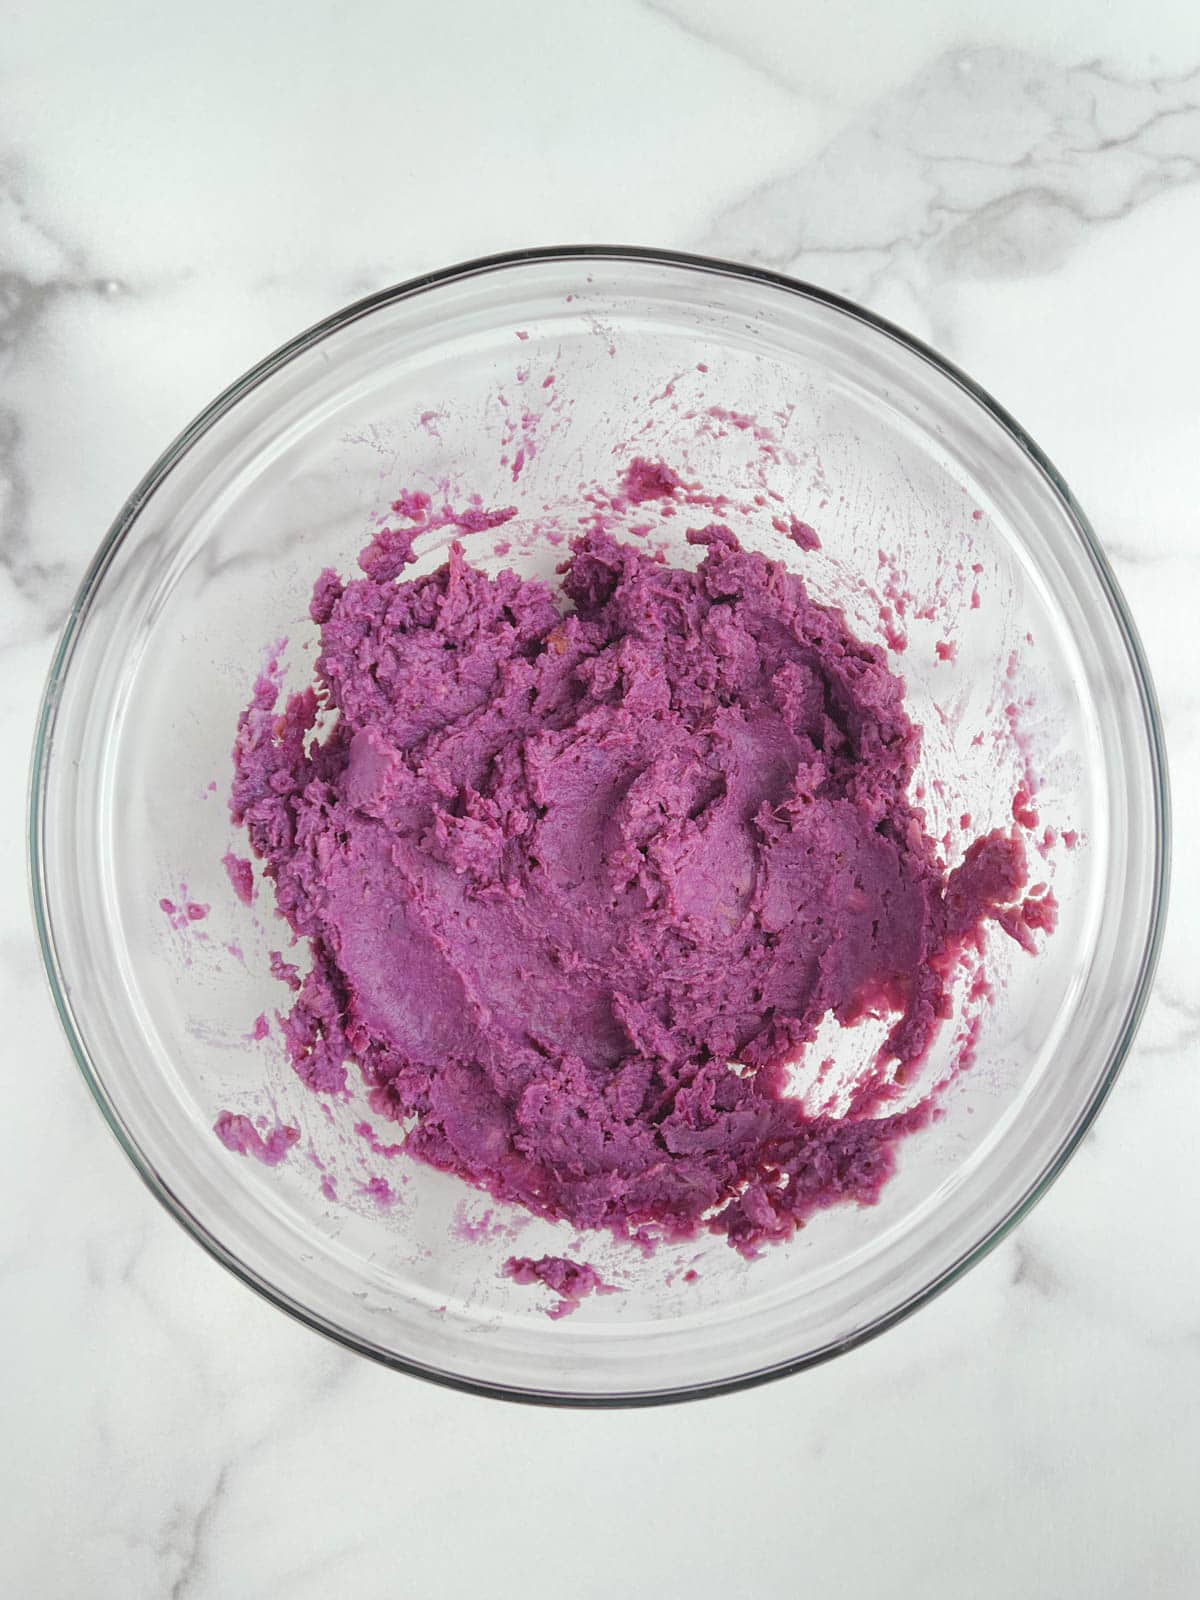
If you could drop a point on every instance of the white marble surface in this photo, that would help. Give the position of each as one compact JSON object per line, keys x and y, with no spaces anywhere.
{"x":180,"y":189}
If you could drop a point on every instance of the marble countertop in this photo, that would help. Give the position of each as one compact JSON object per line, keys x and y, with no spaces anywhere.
{"x":183,"y":188}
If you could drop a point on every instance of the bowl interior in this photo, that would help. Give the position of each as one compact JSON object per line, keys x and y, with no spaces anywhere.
{"x":531,"y":384}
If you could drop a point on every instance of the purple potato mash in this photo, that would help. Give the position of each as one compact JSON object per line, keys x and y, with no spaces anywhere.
{"x":580,"y":888}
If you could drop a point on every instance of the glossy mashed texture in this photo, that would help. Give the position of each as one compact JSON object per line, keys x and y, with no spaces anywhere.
{"x":580,"y":887}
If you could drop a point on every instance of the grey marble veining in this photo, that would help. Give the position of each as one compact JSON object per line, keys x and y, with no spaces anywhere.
{"x":989,"y":164}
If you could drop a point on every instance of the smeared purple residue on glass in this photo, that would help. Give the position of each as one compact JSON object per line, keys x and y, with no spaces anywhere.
{"x":648,"y":480}
{"x":238,"y":1133}
{"x":801,"y":534}
{"x":379,"y":1190}
{"x":181,"y":914}
{"x":570,"y":1280}
{"x":412,"y":503}
{"x":472,"y":1229}
{"x":241,"y":876}
{"x":366,"y":1132}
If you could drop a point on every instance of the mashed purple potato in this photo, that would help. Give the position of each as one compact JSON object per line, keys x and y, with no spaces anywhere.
{"x":579,"y":888}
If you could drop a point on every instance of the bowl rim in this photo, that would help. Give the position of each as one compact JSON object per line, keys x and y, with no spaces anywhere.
{"x":194,"y":432}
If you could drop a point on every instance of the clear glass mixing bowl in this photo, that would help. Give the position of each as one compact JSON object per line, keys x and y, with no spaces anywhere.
{"x":759,"y":387}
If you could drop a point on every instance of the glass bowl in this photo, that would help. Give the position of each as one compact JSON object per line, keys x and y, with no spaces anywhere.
{"x":529,"y":379}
